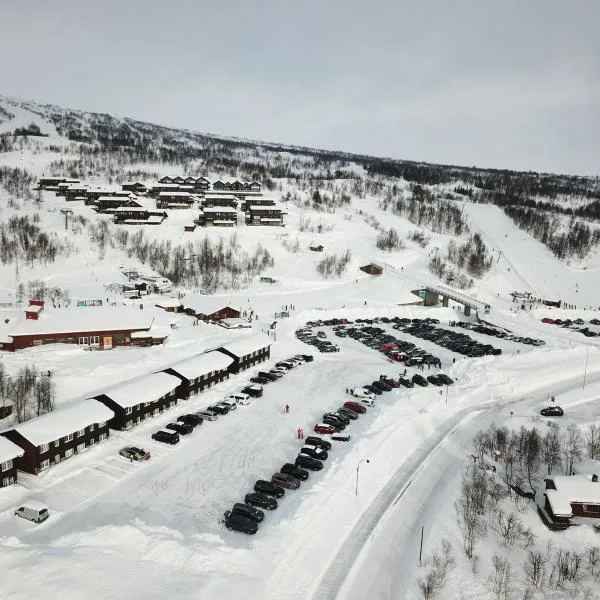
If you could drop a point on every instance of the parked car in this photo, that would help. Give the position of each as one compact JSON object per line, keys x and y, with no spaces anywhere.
{"x":326,"y":428}
{"x":434,"y":380}
{"x":381,"y":386}
{"x":314,"y":452}
{"x":237,"y":522}
{"x":552,"y":411}
{"x":285,"y":365}
{"x":340,"y":437}
{"x":306,"y":462}
{"x":180,"y":428}
{"x":268,"y":376}
{"x":392,"y":383}
{"x":277,"y":373}
{"x":354,"y":407}
{"x":166,"y":437}
{"x":238,"y":398}
{"x":255,"y":391}
{"x":374,"y":390}
{"x":246,"y":511}
{"x":335,"y":422}
{"x":219,"y":409}
{"x":349,"y":414}
{"x":133,"y":453}
{"x":419,"y":380}
{"x":286,"y":481}
{"x":361,"y":392}
{"x":307,"y":357}
{"x":232,"y":404}
{"x":207,"y":415}
{"x":190,"y":419}
{"x":260,"y":500}
{"x":313,"y":440}
{"x":366,"y":401}
{"x":344,"y":420}
{"x":406,"y":382}
{"x":260,"y":380}
{"x":294,"y":471}
{"x":34,"y":511}
{"x":445,"y":379}
{"x":269,"y":488}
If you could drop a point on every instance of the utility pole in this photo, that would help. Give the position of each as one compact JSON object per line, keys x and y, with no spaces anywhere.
{"x":357,"y":469}
{"x":499,"y":255}
{"x":66,"y":212}
{"x":587,"y":355}
{"x":421,"y":548}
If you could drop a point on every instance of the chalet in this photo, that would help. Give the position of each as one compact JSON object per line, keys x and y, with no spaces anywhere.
{"x":108,"y":204}
{"x":155,"y":190}
{"x":75,"y":191}
{"x":92,"y":194}
{"x":264,"y":215}
{"x":131,"y":215}
{"x":372,"y":269}
{"x":208,"y":308}
{"x":189,"y":181}
{"x":135,"y":187}
{"x":213,"y":200}
{"x":253,"y":186}
{"x":221,"y":185}
{"x":138,"y":399}
{"x":58,"y":435}
{"x":175,"y":200}
{"x":569,"y":496}
{"x":170,"y":305}
{"x":34,"y":309}
{"x":247,"y":351}
{"x":316,"y":247}
{"x":179,"y":180}
{"x":9,"y":453}
{"x":238,"y":186}
{"x":51,"y":183}
{"x":224,"y":216}
{"x":98,"y":327}
{"x":165,"y":179}
{"x":200,"y":372}
{"x":202,"y":184}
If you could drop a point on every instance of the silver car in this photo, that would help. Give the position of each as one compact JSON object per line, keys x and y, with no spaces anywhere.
{"x":208,"y":415}
{"x":286,"y":481}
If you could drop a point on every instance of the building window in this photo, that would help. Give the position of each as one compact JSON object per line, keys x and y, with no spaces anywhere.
{"x":102,"y":437}
{"x":69,"y":438}
{"x":57,"y":458}
{"x":56,"y":443}
{"x":95,"y":340}
{"x":91,"y":442}
{"x":44,"y":464}
{"x":80,"y":447}
{"x":84,"y":341}
{"x":5,"y":466}
{"x":8,"y":481}
{"x":81,"y":433}
{"x":69,"y":452}
{"x":43,"y":448}
{"x":128,"y":410}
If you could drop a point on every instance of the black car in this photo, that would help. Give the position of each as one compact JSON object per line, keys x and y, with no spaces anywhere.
{"x":269,"y":488}
{"x":382,"y":385}
{"x":307,"y":357}
{"x":276,"y":374}
{"x":313,"y":440}
{"x":407,"y":383}
{"x":180,"y":428}
{"x":166,"y":437}
{"x":334,"y":422}
{"x":372,"y":389}
{"x":260,"y":500}
{"x":445,"y":379}
{"x":246,"y":511}
{"x":435,"y":380}
{"x":237,"y":522}
{"x":342,"y":418}
{"x":294,"y":471}
{"x":220,"y":410}
{"x":269,"y":376}
{"x":260,"y":380}
{"x":552,"y":411}
{"x":314,"y":452}
{"x":255,"y":391}
{"x":284,"y":365}
{"x":306,"y":462}
{"x":419,"y":380}
{"x":347,"y":413}
{"x":190,"y":419}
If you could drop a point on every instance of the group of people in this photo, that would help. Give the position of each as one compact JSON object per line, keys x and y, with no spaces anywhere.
{"x":300,"y":433}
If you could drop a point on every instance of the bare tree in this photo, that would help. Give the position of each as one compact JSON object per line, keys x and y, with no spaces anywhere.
{"x":470,"y":507}
{"x":502,"y":583}
{"x":535,"y":568}
{"x":531,"y":456}
{"x":572,"y":448}
{"x":592,"y":441}
{"x":437,"y":573}
{"x":551,"y":448}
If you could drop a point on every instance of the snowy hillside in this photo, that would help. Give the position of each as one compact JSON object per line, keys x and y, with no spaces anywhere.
{"x":154,"y":525}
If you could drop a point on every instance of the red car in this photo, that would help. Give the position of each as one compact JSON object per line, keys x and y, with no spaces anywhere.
{"x":355,"y":407}
{"x":324,"y":428}
{"x":547,"y":320}
{"x":391,"y":382}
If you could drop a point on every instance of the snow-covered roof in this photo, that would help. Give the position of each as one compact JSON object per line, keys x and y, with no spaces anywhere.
{"x":259,"y":207}
{"x":269,"y":220}
{"x":213,"y":196}
{"x":176,"y":194}
{"x":220,"y":209}
{"x":578,"y":489}
{"x":247,"y":344}
{"x":34,"y":504}
{"x":587,"y":467}
{"x":223,"y":222}
{"x":194,"y":367}
{"x":83,"y":319}
{"x":112,"y":198}
{"x":58,"y":424}
{"x":130,"y":208}
{"x":147,"y":388}
{"x":8,"y":450}
{"x":205,"y":305}
{"x":168,"y":303}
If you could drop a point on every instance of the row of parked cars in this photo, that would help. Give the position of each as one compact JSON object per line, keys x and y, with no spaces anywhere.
{"x":266,"y":494}
{"x":499,"y":333}
{"x":185,"y":424}
{"x":574,"y":325}
{"x":318,"y":340}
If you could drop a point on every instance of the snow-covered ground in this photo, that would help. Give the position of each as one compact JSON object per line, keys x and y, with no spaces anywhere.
{"x":130,"y":530}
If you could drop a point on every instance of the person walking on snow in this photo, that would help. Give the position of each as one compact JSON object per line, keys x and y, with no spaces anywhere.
{"x":287,"y":408}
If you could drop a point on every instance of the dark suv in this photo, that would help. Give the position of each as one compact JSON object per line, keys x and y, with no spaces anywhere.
{"x":238,"y":522}
{"x":220,"y":410}
{"x":268,"y":487}
{"x":166,"y":437}
{"x":313,"y":440}
{"x":419,"y":380}
{"x":306,"y":462}
{"x":294,"y":471}
{"x":246,"y":511}
{"x":255,"y":391}
{"x":190,"y":419}
{"x":268,"y":376}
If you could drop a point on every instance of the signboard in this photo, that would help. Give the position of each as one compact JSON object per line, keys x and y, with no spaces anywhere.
{"x":82,"y":303}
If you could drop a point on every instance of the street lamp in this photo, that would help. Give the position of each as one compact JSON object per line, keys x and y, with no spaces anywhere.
{"x":587,"y":355}
{"x":357,"y":469}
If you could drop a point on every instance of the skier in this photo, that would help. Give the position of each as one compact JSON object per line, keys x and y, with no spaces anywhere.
{"x":287,"y":408}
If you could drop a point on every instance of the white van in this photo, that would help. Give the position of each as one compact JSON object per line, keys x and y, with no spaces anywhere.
{"x":362,"y":393}
{"x":32,"y":510}
{"x":238,"y":398}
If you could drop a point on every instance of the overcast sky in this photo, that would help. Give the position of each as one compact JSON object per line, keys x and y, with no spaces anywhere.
{"x":507,"y":84}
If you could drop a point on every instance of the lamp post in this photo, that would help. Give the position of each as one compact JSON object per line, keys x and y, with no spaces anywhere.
{"x":357,"y":470}
{"x":447,"y":393}
{"x":587,"y":355}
